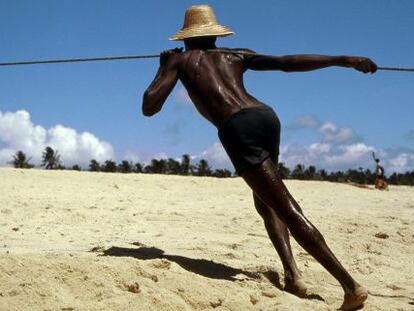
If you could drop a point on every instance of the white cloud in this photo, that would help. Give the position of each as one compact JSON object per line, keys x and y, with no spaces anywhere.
{"x":160,"y":155}
{"x":132,"y":157}
{"x":351,"y":156}
{"x":6,"y":155}
{"x":401,"y":162}
{"x":339,"y":147}
{"x":216,"y":156}
{"x":332,"y":157}
{"x":17,"y":132}
{"x":329,"y":131}
{"x":332,"y":133}
{"x":337,"y":150}
{"x":305,"y":121}
{"x":313,"y":154}
{"x":328,"y":155}
{"x":145,"y":158}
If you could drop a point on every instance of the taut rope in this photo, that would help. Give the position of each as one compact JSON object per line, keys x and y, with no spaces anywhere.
{"x":76,"y":60}
{"x":395,"y":69}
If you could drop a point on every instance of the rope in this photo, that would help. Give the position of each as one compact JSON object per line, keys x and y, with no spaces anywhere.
{"x":77,"y":60}
{"x":395,"y":69}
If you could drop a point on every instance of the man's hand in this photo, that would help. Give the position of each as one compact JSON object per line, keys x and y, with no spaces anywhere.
{"x":363,"y":64}
{"x":165,"y":55}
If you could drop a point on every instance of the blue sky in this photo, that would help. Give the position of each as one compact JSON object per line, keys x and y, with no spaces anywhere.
{"x":332,"y":118}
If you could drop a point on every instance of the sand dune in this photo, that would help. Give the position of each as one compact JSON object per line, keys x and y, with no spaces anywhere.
{"x":97,"y":241}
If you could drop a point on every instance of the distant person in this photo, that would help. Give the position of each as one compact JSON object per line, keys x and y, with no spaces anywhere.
{"x":380,"y":182}
{"x":250,"y":132}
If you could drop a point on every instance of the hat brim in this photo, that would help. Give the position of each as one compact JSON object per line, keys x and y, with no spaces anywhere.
{"x":202,"y":31}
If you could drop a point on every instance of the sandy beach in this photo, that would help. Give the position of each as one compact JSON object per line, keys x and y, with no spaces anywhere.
{"x":101,"y":241}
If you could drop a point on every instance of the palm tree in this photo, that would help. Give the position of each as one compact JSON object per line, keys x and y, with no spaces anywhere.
{"x":162,"y":166}
{"x":356,"y":176}
{"x":51,"y":159}
{"x":203,"y":168}
{"x":109,"y":166}
{"x":323,"y":175}
{"x":156,"y":167}
{"x":185,"y":164}
{"x":173,"y":167}
{"x":125,"y":167}
{"x":284,"y":171}
{"x":94,"y":166}
{"x":137,"y":168}
{"x":222,"y":173}
{"x":337,"y":176}
{"x":20,"y":160}
{"x":76,"y":167}
{"x":369,"y":176}
{"x":310,"y":172}
{"x":298,"y":172}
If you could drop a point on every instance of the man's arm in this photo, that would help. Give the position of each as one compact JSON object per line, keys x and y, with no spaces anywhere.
{"x":308,"y":62}
{"x":162,"y":85}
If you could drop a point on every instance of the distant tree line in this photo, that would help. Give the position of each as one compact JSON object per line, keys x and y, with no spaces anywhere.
{"x":51,"y":160}
{"x":360,"y":175}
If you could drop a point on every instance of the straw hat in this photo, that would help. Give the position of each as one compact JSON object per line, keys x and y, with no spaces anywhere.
{"x":200,"y":21}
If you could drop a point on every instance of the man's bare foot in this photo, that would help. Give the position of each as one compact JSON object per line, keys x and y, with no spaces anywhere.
{"x":355,"y":299}
{"x":296,"y":287}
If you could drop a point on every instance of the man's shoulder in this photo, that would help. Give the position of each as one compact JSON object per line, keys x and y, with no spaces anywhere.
{"x":238,"y":50}
{"x":244,"y":50}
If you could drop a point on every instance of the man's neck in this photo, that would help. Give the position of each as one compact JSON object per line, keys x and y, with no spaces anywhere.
{"x":200,"y":44}
{"x":202,"y":47}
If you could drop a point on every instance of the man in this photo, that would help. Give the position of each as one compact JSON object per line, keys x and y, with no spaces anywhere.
{"x":250,"y":131}
{"x":380,"y":182}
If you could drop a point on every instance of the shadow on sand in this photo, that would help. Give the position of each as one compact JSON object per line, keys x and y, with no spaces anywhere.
{"x":206,"y":268}
{"x":203,"y":267}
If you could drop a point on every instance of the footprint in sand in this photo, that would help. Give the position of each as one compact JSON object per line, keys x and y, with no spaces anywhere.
{"x":381,"y":235}
{"x":231,"y":256}
{"x":254,"y":300}
{"x":97,"y":249}
{"x":216,"y":304}
{"x":234,"y":246}
{"x":133,"y":288}
{"x":394,"y":287}
{"x":6,"y":211}
{"x":161,"y":264}
{"x":269,"y":294}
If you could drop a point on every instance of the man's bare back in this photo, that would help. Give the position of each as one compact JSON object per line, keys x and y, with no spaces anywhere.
{"x":213,"y":80}
{"x":224,"y":94}
{"x":213,"y":77}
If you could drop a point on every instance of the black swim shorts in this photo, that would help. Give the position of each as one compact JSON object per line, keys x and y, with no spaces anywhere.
{"x":250,"y":136}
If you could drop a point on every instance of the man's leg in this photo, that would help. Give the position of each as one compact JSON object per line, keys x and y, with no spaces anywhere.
{"x":269,"y":187}
{"x":279,"y":236}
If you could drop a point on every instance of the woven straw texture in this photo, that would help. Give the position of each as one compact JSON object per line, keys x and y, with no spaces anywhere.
{"x":200,"y":21}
